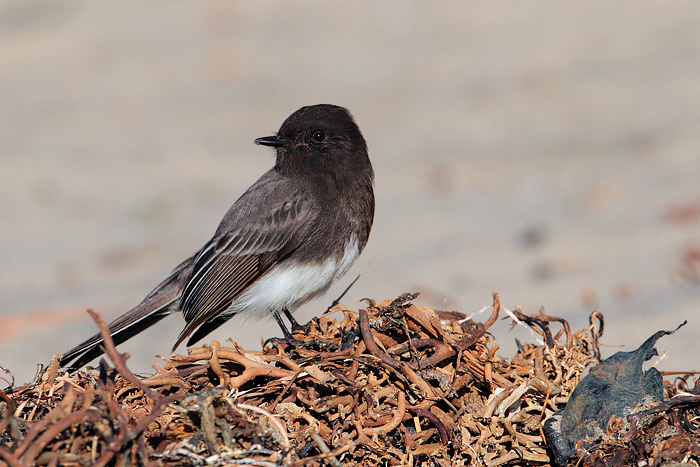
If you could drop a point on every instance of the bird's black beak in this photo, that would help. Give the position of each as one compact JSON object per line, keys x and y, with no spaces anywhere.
{"x":274,"y":141}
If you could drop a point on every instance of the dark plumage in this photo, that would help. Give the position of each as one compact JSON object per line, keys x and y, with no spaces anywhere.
{"x":284,"y":241}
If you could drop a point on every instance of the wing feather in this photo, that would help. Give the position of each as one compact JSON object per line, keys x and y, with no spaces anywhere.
{"x":240,"y":252}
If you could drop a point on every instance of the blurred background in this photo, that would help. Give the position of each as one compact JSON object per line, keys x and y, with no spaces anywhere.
{"x":549,"y":152}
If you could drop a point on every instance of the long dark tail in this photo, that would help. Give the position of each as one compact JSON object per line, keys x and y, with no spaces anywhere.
{"x":162,"y":301}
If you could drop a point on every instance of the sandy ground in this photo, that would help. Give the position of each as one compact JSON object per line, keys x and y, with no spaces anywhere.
{"x":546,"y":151}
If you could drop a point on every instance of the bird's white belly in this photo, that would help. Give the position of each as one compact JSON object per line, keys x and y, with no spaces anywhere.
{"x":289,"y":285}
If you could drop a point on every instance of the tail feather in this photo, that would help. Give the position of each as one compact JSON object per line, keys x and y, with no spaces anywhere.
{"x":162,"y":301}
{"x":92,"y":348}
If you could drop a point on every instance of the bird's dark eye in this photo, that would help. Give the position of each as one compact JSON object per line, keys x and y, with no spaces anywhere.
{"x":319,"y":136}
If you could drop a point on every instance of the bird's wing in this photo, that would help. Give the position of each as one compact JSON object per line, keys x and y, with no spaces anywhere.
{"x":245,"y":246}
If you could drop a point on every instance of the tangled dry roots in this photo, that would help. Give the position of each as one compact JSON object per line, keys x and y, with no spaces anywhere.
{"x":391,"y":384}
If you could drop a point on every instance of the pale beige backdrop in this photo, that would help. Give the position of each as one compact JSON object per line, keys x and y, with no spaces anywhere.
{"x":547,"y":151}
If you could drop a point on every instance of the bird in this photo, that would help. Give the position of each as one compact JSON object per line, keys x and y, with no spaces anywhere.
{"x":297,"y":230}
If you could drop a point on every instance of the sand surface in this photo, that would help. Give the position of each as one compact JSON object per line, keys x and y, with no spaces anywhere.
{"x":549,"y":152}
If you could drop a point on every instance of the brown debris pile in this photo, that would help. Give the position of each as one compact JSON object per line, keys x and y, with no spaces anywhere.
{"x":392,"y":384}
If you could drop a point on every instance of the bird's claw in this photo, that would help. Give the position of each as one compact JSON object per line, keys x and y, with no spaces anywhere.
{"x":296,"y":343}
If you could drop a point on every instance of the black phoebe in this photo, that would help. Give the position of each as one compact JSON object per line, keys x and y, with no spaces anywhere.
{"x":292,"y":234}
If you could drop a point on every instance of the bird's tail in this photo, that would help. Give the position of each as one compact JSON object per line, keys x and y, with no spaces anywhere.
{"x":162,"y":301}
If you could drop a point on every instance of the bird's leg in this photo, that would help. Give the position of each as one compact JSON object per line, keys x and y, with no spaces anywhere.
{"x":295,"y":325}
{"x":292,"y":321}
{"x":283,"y":327}
{"x":288,"y":337}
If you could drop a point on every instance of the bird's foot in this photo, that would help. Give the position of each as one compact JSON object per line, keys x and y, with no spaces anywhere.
{"x":296,"y":343}
{"x":289,"y":338}
{"x":296,"y":327}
